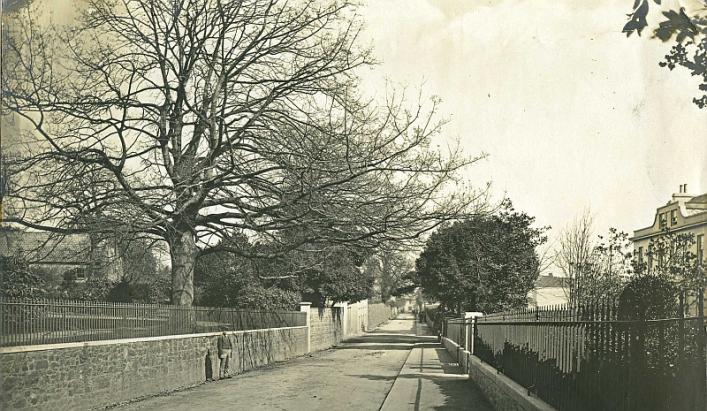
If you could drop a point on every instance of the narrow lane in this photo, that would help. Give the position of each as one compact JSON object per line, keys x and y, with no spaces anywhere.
{"x":360,"y":374}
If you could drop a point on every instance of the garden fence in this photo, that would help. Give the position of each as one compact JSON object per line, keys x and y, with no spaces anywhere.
{"x":42,"y":321}
{"x":590,"y":358}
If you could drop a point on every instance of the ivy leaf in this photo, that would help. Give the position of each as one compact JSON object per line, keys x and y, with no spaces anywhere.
{"x":677,"y":23}
{"x":637,"y":21}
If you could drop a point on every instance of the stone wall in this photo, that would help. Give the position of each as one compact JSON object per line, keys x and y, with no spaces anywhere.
{"x":97,"y":374}
{"x":378,"y":314}
{"x":502,"y":392}
{"x":325,"y":327}
{"x":102,"y":373}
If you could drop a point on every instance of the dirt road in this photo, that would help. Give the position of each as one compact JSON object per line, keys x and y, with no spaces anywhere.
{"x":395,"y":367}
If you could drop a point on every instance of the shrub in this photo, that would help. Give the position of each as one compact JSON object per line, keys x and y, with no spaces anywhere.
{"x":17,"y":280}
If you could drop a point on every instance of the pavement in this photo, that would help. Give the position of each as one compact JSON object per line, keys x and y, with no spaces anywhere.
{"x":398,"y":366}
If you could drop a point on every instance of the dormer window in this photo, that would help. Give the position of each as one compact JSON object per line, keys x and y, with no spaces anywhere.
{"x":674,"y":217}
{"x":662,"y":220}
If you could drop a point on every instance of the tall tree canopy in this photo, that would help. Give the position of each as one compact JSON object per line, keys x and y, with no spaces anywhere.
{"x":188,"y":120}
{"x":688,"y":31}
{"x":484,"y":263}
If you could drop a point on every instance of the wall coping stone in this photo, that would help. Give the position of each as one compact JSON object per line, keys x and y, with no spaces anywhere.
{"x":44,"y":347}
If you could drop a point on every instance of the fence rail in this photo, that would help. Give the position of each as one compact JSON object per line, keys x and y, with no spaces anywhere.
{"x":32,"y":322}
{"x":590,"y":358}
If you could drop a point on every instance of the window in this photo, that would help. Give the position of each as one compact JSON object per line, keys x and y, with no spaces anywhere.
{"x":75,"y":275}
{"x":701,"y":248}
{"x":651,"y":251}
{"x":640,"y":255}
{"x":662,"y":221}
{"x":674,"y":217}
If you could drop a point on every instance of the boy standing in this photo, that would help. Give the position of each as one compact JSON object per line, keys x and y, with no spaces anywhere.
{"x":224,"y":354}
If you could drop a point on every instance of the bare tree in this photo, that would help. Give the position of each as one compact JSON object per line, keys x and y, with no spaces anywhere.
{"x":596,"y":266}
{"x":575,"y":253}
{"x":189,"y":120}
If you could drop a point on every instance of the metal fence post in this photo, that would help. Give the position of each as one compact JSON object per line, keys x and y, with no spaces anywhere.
{"x":467,"y":335}
{"x":472,"y":327}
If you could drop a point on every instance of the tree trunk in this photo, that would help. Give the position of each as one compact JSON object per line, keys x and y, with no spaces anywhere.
{"x":183,"y":252}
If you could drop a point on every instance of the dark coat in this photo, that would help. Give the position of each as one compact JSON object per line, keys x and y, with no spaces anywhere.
{"x":224,"y":344}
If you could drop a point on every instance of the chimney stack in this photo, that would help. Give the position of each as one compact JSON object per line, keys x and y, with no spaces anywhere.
{"x":682,"y":194}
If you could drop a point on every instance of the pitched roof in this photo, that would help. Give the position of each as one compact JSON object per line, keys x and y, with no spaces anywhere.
{"x":549,"y":281}
{"x":696,"y":205}
{"x":42,"y":247}
{"x":702,"y":198}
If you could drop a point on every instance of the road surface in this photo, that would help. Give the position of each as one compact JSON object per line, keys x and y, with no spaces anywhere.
{"x":395,"y":367}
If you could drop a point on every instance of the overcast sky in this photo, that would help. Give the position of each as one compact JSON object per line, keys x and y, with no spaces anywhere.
{"x":572,"y":113}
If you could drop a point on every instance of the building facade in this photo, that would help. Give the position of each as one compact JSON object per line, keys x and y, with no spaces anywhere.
{"x":57,"y":257}
{"x":548,"y":290}
{"x":683,"y":214}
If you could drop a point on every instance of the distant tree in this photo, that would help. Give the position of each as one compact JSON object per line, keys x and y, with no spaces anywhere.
{"x":406,"y":284}
{"x":670,"y":257}
{"x":226,"y":279}
{"x":391,"y":271}
{"x":574,"y":254}
{"x":189,"y":121}
{"x":688,"y":31}
{"x":338,"y":277}
{"x":319,"y":275}
{"x":485,"y":263}
{"x":610,"y":266}
{"x":595,"y":266}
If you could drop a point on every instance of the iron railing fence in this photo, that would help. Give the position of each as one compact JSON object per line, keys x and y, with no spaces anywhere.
{"x":588,"y":359}
{"x":43,"y":321}
{"x":456,"y":329}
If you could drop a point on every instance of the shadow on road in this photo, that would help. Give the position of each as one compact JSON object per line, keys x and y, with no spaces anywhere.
{"x":430,"y":379}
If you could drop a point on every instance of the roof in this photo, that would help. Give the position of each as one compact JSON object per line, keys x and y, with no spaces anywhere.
{"x":549,"y":281}
{"x":43,"y":247}
{"x":702,"y":198}
{"x":696,"y":205}
{"x":692,"y":209}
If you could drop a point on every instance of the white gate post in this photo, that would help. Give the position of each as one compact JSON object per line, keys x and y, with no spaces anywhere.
{"x":344,"y":318}
{"x":305,"y":307}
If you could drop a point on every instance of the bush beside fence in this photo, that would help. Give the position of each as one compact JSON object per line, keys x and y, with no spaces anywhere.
{"x":589,"y":359}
